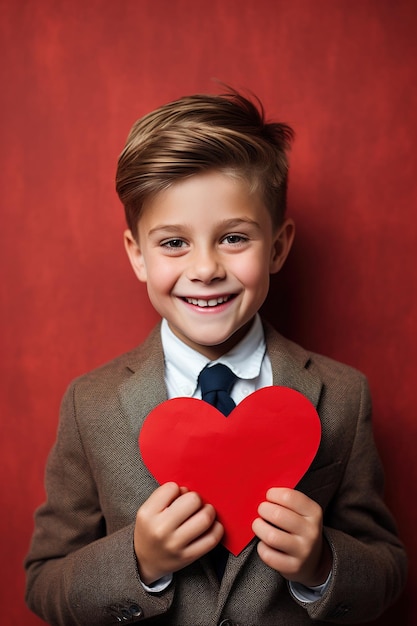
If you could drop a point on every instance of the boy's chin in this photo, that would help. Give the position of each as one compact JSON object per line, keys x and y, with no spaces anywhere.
{"x":214,"y":350}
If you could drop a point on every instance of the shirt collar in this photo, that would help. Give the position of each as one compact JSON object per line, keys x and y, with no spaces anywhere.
{"x":183,"y":364}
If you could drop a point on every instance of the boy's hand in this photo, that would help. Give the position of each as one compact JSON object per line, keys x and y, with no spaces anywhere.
{"x":173,"y":528}
{"x":291,"y":537}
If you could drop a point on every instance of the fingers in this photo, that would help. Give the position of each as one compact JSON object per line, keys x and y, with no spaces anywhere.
{"x":192,"y":525}
{"x":280,"y":517}
{"x":290,"y":510}
{"x":174,"y":527}
{"x":289,"y":527}
{"x":171,"y":505}
{"x":292,"y":499}
{"x":162,"y":497}
{"x":204,"y":543}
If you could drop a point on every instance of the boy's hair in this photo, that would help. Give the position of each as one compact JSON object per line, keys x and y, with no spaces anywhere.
{"x":199,"y":133}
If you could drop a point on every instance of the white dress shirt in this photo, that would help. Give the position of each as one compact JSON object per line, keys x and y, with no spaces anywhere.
{"x":248,"y":361}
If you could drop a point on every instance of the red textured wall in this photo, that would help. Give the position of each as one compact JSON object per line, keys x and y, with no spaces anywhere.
{"x":74,"y":76}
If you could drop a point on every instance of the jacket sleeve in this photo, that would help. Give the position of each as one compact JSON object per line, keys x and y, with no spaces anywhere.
{"x":76,"y":573}
{"x":369,"y":562}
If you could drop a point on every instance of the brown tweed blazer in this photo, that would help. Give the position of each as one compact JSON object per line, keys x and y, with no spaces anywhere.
{"x":81,"y":567}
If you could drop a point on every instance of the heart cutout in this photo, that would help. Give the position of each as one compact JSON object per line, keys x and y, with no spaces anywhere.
{"x":268,"y":440}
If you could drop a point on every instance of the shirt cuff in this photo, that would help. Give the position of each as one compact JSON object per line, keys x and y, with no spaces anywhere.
{"x":309,"y":594}
{"x":159,"y":585}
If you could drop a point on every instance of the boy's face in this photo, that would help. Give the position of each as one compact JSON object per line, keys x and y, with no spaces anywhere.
{"x":205,"y":249}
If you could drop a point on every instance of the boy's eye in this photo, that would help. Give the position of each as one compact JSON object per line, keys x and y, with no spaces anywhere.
{"x":173,"y":243}
{"x":234,"y":239}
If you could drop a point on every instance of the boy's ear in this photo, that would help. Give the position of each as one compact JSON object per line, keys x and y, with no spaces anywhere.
{"x":281,"y":245}
{"x":135,"y":256}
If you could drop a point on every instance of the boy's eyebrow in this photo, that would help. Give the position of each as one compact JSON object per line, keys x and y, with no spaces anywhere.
{"x":231,"y":223}
{"x":165,"y":228}
{"x":239,"y":221}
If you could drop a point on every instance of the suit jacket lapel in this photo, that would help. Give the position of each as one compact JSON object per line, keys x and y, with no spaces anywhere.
{"x":292,"y":366}
{"x":145,"y":387}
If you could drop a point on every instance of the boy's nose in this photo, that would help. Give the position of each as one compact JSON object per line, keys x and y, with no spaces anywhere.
{"x":205,"y":266}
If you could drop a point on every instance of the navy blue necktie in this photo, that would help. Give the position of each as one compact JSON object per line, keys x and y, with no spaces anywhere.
{"x":216,"y":383}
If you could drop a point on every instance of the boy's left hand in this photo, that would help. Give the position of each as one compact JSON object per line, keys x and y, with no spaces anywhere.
{"x":290,"y":529}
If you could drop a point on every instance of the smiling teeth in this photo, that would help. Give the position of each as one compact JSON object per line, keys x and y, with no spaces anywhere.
{"x":205,"y":303}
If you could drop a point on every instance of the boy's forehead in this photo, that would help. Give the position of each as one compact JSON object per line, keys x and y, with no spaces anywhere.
{"x":208,"y":189}
{"x":226,"y":182}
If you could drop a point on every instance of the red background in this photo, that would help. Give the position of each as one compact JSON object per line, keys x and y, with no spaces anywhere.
{"x":74,"y":77}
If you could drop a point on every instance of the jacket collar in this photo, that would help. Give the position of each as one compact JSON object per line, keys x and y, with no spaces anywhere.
{"x":144,"y":388}
{"x":292,"y":365}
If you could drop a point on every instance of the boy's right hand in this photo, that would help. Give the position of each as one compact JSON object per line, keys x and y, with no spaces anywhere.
{"x":173,"y":529}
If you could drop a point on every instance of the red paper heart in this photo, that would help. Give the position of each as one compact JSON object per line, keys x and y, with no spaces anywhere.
{"x":269,"y":440}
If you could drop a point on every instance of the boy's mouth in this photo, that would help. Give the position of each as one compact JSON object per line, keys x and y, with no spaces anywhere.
{"x":210,"y":302}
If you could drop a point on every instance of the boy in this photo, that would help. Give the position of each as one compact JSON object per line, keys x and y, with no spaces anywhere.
{"x":203,"y":183}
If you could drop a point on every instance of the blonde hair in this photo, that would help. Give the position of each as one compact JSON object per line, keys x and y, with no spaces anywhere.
{"x":198,"y":133}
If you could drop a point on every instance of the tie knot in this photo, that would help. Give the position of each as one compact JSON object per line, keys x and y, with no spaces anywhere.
{"x":216,"y":383}
{"x":216,"y":378}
